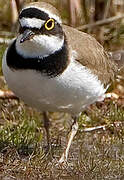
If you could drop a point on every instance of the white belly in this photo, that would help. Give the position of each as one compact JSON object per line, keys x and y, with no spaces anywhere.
{"x":70,"y":92}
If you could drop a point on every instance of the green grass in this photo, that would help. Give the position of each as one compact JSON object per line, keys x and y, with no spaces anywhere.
{"x":24,"y":133}
{"x":93,"y":155}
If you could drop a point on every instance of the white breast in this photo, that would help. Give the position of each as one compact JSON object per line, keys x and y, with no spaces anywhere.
{"x":70,"y":92}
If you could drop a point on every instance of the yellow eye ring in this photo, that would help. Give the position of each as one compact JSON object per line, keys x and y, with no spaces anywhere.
{"x":50,"y":24}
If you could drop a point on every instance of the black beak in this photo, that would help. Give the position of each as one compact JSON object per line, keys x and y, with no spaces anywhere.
{"x":27,"y":35}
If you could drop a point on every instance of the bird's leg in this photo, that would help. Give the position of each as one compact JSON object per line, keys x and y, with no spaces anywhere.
{"x":72,"y":133}
{"x":47,"y":126}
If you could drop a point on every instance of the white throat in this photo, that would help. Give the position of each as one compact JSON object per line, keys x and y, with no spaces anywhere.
{"x":40,"y":46}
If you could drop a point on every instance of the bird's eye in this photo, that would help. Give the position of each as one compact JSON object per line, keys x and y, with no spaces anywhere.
{"x":50,"y":24}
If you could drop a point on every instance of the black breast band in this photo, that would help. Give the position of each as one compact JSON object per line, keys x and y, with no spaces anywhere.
{"x":52,"y":65}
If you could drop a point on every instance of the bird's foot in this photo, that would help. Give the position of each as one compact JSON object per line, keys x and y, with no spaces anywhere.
{"x":63,"y":159}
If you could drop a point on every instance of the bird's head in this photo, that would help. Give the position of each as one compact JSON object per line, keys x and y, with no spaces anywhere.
{"x":40,"y":31}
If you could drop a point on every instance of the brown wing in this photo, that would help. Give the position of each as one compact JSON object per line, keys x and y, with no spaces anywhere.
{"x":91,"y":54}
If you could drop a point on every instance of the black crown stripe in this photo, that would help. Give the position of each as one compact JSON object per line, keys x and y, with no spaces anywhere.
{"x":33,"y":13}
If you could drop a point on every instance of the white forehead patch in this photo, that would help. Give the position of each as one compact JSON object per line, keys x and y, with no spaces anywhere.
{"x":57,"y":18}
{"x":31,"y":22}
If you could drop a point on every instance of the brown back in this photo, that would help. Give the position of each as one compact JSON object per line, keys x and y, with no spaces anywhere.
{"x":91,"y":54}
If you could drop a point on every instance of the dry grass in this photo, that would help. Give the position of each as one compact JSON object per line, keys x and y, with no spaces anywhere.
{"x":94,"y":155}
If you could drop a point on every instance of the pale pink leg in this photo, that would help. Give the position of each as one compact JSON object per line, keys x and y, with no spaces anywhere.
{"x":71,"y":136}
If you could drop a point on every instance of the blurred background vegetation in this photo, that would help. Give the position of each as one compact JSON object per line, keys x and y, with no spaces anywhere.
{"x":95,"y":154}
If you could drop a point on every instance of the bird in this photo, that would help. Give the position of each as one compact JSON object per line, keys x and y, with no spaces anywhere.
{"x":56,"y":68}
